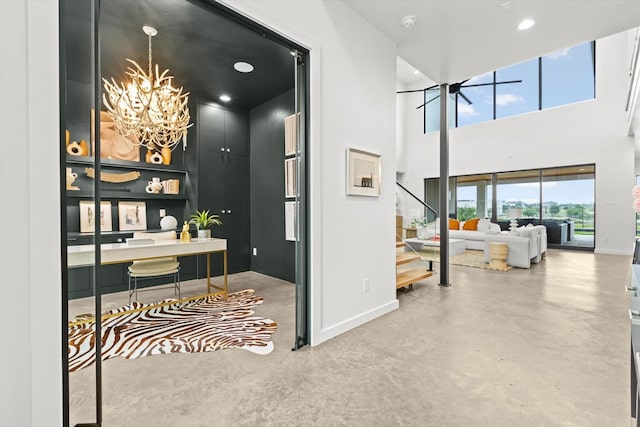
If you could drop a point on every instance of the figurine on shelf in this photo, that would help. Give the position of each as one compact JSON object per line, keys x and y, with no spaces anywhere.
{"x":185,"y":235}
{"x":71,"y":176}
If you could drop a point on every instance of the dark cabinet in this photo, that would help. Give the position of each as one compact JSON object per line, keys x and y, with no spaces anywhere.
{"x":223,"y":180}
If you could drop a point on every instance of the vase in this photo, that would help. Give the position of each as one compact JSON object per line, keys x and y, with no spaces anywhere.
{"x":166,"y":155}
{"x":204,"y":234}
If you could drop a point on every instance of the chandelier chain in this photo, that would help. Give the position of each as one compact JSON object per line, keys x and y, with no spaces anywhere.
{"x":150,"y":56}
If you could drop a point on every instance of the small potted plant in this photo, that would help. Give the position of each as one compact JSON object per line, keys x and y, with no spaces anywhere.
{"x":202,"y":220}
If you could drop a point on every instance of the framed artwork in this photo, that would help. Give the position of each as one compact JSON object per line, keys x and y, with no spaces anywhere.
{"x":290,"y":135}
{"x":290,"y":221}
{"x":290,"y":178}
{"x":132,"y":215}
{"x":88,"y":216}
{"x":363,"y":173}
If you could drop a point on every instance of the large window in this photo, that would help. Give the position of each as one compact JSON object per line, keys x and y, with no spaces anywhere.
{"x":519,"y":191}
{"x":562,"y":199}
{"x":560,"y":78}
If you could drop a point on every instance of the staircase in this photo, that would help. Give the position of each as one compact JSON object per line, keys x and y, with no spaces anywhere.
{"x":406,"y":278}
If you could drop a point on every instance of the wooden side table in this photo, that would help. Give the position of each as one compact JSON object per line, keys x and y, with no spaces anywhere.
{"x":499,"y":252}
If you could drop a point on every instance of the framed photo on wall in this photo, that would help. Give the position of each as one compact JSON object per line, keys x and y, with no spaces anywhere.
{"x":132,"y":215}
{"x":290,"y":221}
{"x":290,"y":124}
{"x":363,"y":173}
{"x":290,"y":178}
{"x":88,"y":216}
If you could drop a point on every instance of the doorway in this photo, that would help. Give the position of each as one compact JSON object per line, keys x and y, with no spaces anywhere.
{"x":232,"y":162}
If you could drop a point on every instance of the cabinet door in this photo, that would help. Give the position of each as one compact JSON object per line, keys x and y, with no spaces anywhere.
{"x":210,"y":128}
{"x":236,"y":132}
{"x":236,"y":219}
{"x":211,"y":182}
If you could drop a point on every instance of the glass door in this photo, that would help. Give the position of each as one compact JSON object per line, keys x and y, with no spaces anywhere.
{"x":301,"y":105}
{"x":84,"y":217}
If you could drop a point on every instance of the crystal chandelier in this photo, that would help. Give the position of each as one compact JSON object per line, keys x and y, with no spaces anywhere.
{"x":148,"y":110}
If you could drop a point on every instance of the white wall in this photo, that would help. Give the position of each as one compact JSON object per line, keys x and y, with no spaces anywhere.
{"x":353,"y":68}
{"x":30,"y":291}
{"x":587,"y":132}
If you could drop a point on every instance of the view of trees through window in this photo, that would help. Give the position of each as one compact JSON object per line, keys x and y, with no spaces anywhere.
{"x":562,"y":194}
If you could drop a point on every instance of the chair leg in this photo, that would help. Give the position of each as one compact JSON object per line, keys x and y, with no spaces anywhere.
{"x":177,"y":283}
{"x":129,"y":288}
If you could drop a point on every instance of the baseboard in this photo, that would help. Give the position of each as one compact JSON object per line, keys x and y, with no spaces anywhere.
{"x":342,"y":327}
{"x":613,"y":252}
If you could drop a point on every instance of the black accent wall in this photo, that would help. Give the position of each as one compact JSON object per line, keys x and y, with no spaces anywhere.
{"x":276,"y":256}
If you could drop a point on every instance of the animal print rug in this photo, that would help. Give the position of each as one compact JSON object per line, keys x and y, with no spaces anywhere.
{"x":204,"y":324}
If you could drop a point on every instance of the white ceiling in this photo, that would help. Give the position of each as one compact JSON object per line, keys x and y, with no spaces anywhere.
{"x":454,"y":40}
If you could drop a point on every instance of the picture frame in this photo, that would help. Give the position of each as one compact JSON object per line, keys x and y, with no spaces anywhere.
{"x":290,"y":189}
{"x":132,"y":215}
{"x":88,"y":217}
{"x":290,"y":221}
{"x":364,"y":173}
{"x":290,"y":124}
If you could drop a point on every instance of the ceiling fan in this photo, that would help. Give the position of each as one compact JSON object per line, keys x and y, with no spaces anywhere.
{"x":456,"y":89}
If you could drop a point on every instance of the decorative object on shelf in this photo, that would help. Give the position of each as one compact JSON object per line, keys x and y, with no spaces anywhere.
{"x":156,"y":158}
{"x":148,"y":109}
{"x":132,"y":215}
{"x":88,"y":216}
{"x":113,"y":177}
{"x":363,"y":173}
{"x":513,"y":214}
{"x":166,"y":155}
{"x":71,"y":176}
{"x":74,"y":149}
{"x":112,"y":144}
{"x":154,"y":186}
{"x":171,"y":186}
{"x":168,"y":223}
{"x":185,"y":234}
{"x":203,"y":220}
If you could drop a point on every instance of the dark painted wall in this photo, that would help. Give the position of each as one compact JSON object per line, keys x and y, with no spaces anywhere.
{"x":276,"y":256}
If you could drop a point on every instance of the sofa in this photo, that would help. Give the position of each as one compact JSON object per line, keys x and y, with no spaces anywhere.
{"x":559,"y":231}
{"x":527,"y":244}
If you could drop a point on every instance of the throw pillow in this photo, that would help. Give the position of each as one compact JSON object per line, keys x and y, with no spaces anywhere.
{"x":454,"y":224}
{"x":471,"y":224}
{"x":483,"y":225}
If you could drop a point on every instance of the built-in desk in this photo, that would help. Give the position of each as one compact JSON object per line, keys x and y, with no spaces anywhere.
{"x":117,"y":253}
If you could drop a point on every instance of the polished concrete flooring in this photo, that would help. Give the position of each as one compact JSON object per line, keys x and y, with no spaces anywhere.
{"x":547,"y":346}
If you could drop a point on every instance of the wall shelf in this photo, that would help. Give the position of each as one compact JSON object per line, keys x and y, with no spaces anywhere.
{"x":123,"y":164}
{"x":115,"y":194}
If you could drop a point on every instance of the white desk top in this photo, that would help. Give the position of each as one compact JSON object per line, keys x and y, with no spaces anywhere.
{"x":115,"y":253}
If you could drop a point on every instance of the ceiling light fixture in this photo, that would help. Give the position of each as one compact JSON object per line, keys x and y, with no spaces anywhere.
{"x":243,"y":67}
{"x":416,"y":72}
{"x":526,"y":24}
{"x":148,"y":110}
{"x":225,"y":98}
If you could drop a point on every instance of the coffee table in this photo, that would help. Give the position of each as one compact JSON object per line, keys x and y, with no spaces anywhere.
{"x":456,"y":246}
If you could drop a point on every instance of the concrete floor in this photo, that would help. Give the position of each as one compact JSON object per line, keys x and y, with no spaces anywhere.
{"x":547,"y":346}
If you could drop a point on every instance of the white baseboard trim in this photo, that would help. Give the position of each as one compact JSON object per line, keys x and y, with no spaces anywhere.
{"x":613,"y":252}
{"x":344,"y":326}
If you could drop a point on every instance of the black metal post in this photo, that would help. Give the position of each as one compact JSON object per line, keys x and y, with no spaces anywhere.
{"x":444,"y":185}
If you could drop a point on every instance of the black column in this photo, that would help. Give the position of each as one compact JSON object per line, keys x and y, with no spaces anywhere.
{"x":444,"y":185}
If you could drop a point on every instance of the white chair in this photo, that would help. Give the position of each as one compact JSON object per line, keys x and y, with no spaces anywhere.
{"x":154,"y":267}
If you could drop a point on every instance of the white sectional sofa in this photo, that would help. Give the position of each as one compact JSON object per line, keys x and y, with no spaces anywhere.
{"x":526,"y":244}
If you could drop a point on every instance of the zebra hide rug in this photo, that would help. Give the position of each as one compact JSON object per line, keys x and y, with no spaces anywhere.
{"x":204,"y":324}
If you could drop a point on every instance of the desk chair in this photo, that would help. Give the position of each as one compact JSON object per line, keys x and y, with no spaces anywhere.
{"x":154,"y":267}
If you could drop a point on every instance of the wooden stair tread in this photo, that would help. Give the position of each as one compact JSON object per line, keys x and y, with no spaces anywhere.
{"x":406,"y":257}
{"x":399,"y":244}
{"x":408,"y":277}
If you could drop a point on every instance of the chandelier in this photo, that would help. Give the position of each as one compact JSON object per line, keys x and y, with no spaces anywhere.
{"x":148,"y":110}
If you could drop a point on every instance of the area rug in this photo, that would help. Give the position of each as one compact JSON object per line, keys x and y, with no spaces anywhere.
{"x":204,"y":324}
{"x":469,"y":258}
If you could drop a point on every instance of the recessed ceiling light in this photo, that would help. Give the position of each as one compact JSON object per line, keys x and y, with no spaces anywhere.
{"x":416,"y":72}
{"x":409,"y":21}
{"x":526,"y":24}
{"x":243,"y":67}
{"x":225,"y":98}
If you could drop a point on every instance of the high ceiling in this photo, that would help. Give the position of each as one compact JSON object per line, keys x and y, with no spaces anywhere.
{"x":453,"y":40}
{"x":198,"y":47}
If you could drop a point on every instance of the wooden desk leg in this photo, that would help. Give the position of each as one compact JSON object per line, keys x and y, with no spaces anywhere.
{"x":225,"y":272}
{"x":208,"y":272}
